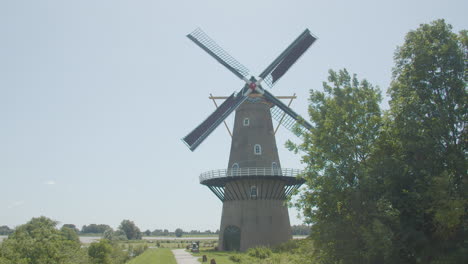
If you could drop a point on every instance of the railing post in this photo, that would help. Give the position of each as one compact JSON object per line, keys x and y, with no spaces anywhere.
{"x":249,"y":171}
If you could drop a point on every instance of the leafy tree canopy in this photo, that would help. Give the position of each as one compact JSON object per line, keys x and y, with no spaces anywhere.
{"x":179,"y":232}
{"x":39,"y":241}
{"x":392,"y":188}
{"x":94,"y":229}
{"x":130,"y":229}
{"x":426,"y":144}
{"x":72,"y":226}
{"x":341,"y":201}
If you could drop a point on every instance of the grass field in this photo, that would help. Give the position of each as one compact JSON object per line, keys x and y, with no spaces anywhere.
{"x":155,"y":256}
{"x":182,"y":243}
{"x":221,"y":257}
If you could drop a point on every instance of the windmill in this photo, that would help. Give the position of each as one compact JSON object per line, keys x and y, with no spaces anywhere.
{"x":254,"y":186}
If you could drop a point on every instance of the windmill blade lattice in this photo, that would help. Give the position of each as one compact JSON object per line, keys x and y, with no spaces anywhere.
{"x":290,"y":119}
{"x":207,"y":44}
{"x":285,"y":120}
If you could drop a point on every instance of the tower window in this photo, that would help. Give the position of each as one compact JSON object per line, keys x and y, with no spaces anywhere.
{"x":246,"y":122}
{"x":274,"y":168}
{"x":257,"y":149}
{"x":235,"y":169}
{"x":253,"y":191}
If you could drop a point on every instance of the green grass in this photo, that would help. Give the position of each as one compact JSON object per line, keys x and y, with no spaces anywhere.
{"x":291,"y":252}
{"x":186,"y":235}
{"x":221,"y":257}
{"x":181,"y":243}
{"x":155,"y":256}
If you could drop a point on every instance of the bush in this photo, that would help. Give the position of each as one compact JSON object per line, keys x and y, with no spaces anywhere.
{"x":236,"y":258}
{"x":259,"y":252}
{"x":179,"y":232}
{"x":137,"y":250}
{"x":100,"y":252}
{"x":289,"y":246}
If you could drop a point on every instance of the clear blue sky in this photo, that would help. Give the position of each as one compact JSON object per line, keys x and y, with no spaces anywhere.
{"x":95,"y":95}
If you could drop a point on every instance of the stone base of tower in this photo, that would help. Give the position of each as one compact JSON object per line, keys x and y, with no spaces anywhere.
{"x":251,"y":223}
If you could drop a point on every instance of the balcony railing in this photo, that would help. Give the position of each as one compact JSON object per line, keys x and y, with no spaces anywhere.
{"x":245,"y":172}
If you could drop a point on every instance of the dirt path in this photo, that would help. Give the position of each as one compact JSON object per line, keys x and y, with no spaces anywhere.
{"x":183,"y":257}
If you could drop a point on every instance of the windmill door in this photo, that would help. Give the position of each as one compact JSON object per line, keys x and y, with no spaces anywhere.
{"x":232,"y":238}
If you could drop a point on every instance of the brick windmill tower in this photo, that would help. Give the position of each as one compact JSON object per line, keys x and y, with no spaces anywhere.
{"x":254,"y":187}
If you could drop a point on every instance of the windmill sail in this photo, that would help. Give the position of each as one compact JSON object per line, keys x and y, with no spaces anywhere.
{"x":282,"y":113}
{"x":286,"y":120}
{"x":287,"y":58}
{"x":207,"y":44}
{"x":270,"y":75}
{"x":202,"y":131}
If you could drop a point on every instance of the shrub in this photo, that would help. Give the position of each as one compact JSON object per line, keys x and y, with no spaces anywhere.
{"x":259,"y":252}
{"x":138,"y":250}
{"x":236,"y":258}
{"x":288,"y":246}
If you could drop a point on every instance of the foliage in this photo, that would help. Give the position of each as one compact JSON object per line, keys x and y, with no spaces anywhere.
{"x":130,"y":229}
{"x":342,"y":200}
{"x":237,"y":258}
{"x":112,"y":235}
{"x":39,"y":241}
{"x":259,"y":252}
{"x":426,"y":140}
{"x":297,"y":251}
{"x":179,"y":232}
{"x":300,"y":230}
{"x":392,"y":188}
{"x":72,"y":226}
{"x":100,"y":252}
{"x":137,"y":250}
{"x":5,"y":230}
{"x":105,"y":251}
{"x":70,"y":234}
{"x":94,"y":229}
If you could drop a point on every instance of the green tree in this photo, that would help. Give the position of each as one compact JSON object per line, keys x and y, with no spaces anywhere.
{"x":179,"y":232}
{"x":130,"y":229}
{"x":94,"y":229}
{"x":112,"y":235}
{"x":100,"y":252}
{"x":70,"y":234}
{"x":5,"y":230}
{"x":39,"y":241}
{"x":424,"y":145}
{"x":343,"y":201}
{"x":72,"y":226}
{"x":300,"y":230}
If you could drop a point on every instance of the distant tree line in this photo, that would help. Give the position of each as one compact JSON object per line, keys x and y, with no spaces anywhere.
{"x":94,"y":229}
{"x":134,"y":232}
{"x":126,"y":231}
{"x":5,"y":230}
{"x":178,"y":231}
{"x":300,"y":230}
